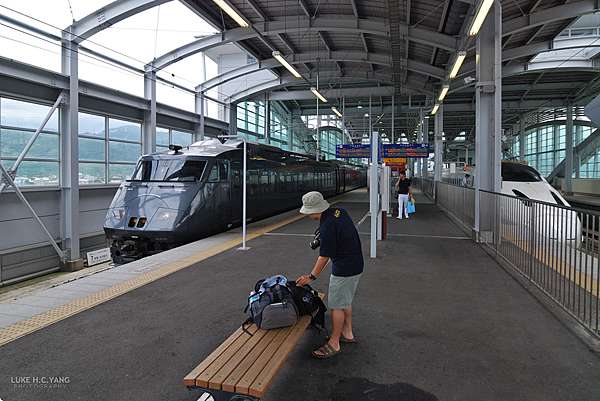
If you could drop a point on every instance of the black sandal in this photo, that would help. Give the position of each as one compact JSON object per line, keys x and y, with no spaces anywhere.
{"x":326,"y":351}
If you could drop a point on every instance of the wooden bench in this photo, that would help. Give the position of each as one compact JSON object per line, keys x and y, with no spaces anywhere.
{"x":244,"y":365}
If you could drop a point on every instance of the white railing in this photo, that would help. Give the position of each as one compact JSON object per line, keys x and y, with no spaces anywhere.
{"x":555,"y":247}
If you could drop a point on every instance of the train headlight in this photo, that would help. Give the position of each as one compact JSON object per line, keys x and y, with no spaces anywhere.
{"x":118,"y":213}
{"x":163,"y":220}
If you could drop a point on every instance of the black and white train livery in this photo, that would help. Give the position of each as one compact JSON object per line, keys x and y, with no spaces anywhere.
{"x":182,"y":195}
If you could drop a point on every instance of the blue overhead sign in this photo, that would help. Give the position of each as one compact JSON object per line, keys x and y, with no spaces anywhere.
{"x":353,"y":151}
{"x":404,"y":150}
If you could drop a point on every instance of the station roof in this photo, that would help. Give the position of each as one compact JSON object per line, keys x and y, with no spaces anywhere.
{"x":381,"y":48}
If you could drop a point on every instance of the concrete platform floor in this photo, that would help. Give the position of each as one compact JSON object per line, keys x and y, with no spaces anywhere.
{"x":437,"y":319}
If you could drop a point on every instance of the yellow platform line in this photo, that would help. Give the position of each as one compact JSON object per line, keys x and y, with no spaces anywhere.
{"x":45,"y":319}
{"x":559,"y":265}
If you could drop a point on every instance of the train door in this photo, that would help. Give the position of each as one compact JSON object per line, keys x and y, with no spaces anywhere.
{"x":223,"y":193}
{"x":236,"y":192}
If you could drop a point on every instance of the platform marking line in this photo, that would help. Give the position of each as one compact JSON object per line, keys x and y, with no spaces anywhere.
{"x":45,"y":319}
{"x":362,"y":220}
{"x":423,"y":236}
{"x":560,"y":265}
{"x":290,"y":235}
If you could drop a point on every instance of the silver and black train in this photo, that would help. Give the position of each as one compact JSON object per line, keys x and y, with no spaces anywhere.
{"x":182,"y":195}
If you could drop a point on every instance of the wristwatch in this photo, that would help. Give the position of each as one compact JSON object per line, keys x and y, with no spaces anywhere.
{"x":312,"y":277}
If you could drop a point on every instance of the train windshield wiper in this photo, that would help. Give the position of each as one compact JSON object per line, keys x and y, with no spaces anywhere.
{"x":169,"y":170}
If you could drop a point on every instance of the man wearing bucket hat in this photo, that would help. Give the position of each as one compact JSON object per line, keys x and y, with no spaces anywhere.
{"x":339,"y":242}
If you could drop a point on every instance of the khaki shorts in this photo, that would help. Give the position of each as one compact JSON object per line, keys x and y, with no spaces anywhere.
{"x":341,"y":291}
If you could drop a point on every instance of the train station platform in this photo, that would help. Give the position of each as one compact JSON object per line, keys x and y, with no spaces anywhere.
{"x":436,"y":317}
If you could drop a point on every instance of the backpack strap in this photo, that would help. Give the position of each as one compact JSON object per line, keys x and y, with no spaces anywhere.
{"x":245,"y":326}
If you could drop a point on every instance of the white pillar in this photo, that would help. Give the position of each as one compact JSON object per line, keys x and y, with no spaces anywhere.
{"x":488,"y":120}
{"x":374,"y":189}
{"x":522,"y":138}
{"x":425,"y":162}
{"x":267,"y":119}
{"x":568,"y":188}
{"x":69,"y":180}
{"x":232,"y":118}
{"x":200,"y":111}
{"x":149,"y":132}
{"x":439,"y":144}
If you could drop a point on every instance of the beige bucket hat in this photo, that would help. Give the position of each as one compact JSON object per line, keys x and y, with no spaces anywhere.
{"x":313,"y":202}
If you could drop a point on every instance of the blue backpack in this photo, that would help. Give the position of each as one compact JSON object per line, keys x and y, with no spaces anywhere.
{"x":271,"y":305}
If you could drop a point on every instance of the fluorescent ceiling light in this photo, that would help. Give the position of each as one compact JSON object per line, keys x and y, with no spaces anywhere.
{"x":460,"y":57}
{"x":232,"y":13}
{"x":435,"y":108}
{"x":482,"y":12}
{"x":336,"y":111}
{"x":287,"y":65}
{"x":443,"y":93}
{"x":317,"y":94}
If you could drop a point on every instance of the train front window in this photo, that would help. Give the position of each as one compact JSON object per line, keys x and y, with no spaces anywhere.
{"x":519,"y":173}
{"x":169,"y":170}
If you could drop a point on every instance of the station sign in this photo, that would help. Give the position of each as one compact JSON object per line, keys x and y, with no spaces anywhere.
{"x":353,"y":151}
{"x":98,"y":256}
{"x":405,"y":150}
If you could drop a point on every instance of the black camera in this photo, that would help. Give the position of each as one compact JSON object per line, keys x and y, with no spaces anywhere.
{"x":316,"y":242}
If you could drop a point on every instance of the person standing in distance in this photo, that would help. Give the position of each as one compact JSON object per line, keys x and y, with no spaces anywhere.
{"x":404,"y":194}
{"x":340,"y":243}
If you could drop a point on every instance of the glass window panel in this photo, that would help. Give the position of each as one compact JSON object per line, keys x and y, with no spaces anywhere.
{"x":162,"y":137}
{"x":16,"y":113}
{"x":32,"y":173}
{"x":12,"y":142}
{"x":181,"y":138}
{"x":91,"y":173}
{"x":126,"y":130}
{"x":91,"y":149}
{"x":124,"y":152}
{"x":120,"y":172}
{"x":91,"y":125}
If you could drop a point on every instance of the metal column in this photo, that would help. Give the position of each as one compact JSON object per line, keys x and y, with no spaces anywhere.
{"x":393,"y":117}
{"x":69,"y":180}
{"x":418,"y":169}
{"x":374,"y":189}
{"x":576,"y":156}
{"x":232,"y":118}
{"x":488,"y":121}
{"x":267,"y":119}
{"x":522,"y":138}
{"x":425,"y":162}
{"x":568,"y":187}
{"x":149,"y":142}
{"x":200,"y":111}
{"x":439,"y":144}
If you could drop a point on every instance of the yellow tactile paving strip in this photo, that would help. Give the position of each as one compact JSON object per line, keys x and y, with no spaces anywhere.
{"x":37,"y":322}
{"x":560,"y":265}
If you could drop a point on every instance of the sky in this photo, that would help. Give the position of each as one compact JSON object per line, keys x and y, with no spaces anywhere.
{"x":136,"y":40}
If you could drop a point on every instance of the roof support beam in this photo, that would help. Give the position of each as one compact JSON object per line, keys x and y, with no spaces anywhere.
{"x":338,"y":56}
{"x":109,"y":15}
{"x":549,"y":15}
{"x":318,"y":24}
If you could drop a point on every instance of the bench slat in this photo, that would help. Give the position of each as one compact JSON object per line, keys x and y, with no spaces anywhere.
{"x":235,"y":376}
{"x":204,"y":377}
{"x":216,"y":381}
{"x":246,"y":381}
{"x":190,"y":379}
{"x":264,"y":379}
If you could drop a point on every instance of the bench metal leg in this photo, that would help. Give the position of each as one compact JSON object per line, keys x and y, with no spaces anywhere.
{"x":217,"y":395}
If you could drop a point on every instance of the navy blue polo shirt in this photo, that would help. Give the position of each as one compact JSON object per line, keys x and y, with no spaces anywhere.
{"x":341,"y":243}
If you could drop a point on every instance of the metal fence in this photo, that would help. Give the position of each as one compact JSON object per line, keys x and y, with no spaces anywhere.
{"x":555,"y":247}
{"x":425,"y":184}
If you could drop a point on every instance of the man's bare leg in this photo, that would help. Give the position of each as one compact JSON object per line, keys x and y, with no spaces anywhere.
{"x":337,"y":319}
{"x":347,"y":328}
